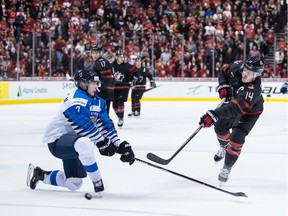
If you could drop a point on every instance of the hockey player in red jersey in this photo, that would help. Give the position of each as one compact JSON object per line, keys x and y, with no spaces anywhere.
{"x":124,"y":73}
{"x":139,"y":86}
{"x":240,"y":84}
{"x":105,"y":71}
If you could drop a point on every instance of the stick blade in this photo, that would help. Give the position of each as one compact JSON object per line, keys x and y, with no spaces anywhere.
{"x":157,"y":159}
{"x":240,"y":194}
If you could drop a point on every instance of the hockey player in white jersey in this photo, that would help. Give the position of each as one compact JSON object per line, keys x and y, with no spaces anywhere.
{"x":81,"y":123}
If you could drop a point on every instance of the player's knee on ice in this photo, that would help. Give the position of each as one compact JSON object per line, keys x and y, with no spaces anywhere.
{"x":58,"y":178}
{"x":73,"y":183}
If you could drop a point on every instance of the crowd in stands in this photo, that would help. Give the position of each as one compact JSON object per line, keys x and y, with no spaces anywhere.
{"x":207,"y":33}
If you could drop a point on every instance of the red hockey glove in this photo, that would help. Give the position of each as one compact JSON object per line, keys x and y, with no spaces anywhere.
{"x":225,"y":91}
{"x":208,"y":119}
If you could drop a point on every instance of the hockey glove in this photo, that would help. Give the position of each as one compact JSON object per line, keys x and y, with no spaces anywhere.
{"x":152,"y":84}
{"x":106,"y":148}
{"x":127,"y":155}
{"x":225,"y":91}
{"x":208,"y":119}
{"x":283,"y":90}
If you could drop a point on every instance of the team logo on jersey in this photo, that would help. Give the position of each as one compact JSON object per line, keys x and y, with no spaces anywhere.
{"x":118,"y":76}
{"x":93,"y":119}
{"x":240,"y":89}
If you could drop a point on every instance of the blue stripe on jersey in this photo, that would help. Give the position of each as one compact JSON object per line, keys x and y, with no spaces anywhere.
{"x":79,"y":116}
{"x":91,"y":168}
{"x":53,"y":177}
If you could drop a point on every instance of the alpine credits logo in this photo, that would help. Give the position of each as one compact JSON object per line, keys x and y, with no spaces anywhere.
{"x":26,"y":91}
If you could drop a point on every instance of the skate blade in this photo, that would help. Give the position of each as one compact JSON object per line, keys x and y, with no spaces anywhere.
{"x":222,"y":184}
{"x":97,"y":195}
{"x":30,"y":171}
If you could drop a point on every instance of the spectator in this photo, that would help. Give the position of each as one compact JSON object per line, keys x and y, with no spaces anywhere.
{"x":165,"y":56}
{"x":255,"y":52}
{"x":103,"y":22}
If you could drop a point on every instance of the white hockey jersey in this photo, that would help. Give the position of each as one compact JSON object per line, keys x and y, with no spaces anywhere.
{"x":81,"y":114}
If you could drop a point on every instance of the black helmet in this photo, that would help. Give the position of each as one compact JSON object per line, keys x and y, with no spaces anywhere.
{"x":119,"y":53}
{"x":97,"y":47}
{"x":254,"y":64}
{"x":82,"y":78}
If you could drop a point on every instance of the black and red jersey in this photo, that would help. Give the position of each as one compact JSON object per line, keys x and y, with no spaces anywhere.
{"x":247,"y":97}
{"x":141,"y":75}
{"x":124,"y":73}
{"x":105,"y":72}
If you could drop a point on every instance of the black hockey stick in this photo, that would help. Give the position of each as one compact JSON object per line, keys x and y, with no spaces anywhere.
{"x":146,"y":90}
{"x":162,"y":161}
{"x":238,"y":194}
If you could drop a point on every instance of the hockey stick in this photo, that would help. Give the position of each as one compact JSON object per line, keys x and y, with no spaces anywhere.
{"x":162,"y":161}
{"x":238,"y":194}
{"x":146,"y":90}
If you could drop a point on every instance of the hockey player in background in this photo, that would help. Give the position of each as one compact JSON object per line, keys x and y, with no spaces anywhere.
{"x":284,"y":87}
{"x":81,"y":123}
{"x":139,"y":86}
{"x":124,"y":73}
{"x":240,"y":84}
{"x":105,"y":72}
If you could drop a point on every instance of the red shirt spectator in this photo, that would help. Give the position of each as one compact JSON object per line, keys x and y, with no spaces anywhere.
{"x":11,"y":15}
{"x":250,"y":32}
{"x":270,"y":37}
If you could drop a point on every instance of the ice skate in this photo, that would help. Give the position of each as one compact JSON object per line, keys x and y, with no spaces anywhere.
{"x":34,"y":175}
{"x":220,"y":154}
{"x":120,"y":122}
{"x":98,"y":186}
{"x":131,"y":114}
{"x":137,"y":114}
{"x":224,"y":174}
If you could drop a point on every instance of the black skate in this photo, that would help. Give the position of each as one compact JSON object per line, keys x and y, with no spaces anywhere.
{"x":137,"y":114}
{"x":134,"y":114}
{"x":131,"y":114}
{"x":34,"y":175}
{"x":220,"y":154}
{"x":120,"y":122}
{"x":98,"y":186}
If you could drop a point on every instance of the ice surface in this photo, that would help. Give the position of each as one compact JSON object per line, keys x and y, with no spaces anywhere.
{"x":260,"y":172}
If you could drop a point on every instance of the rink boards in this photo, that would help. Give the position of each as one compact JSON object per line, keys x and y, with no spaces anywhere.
{"x":14,"y":92}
